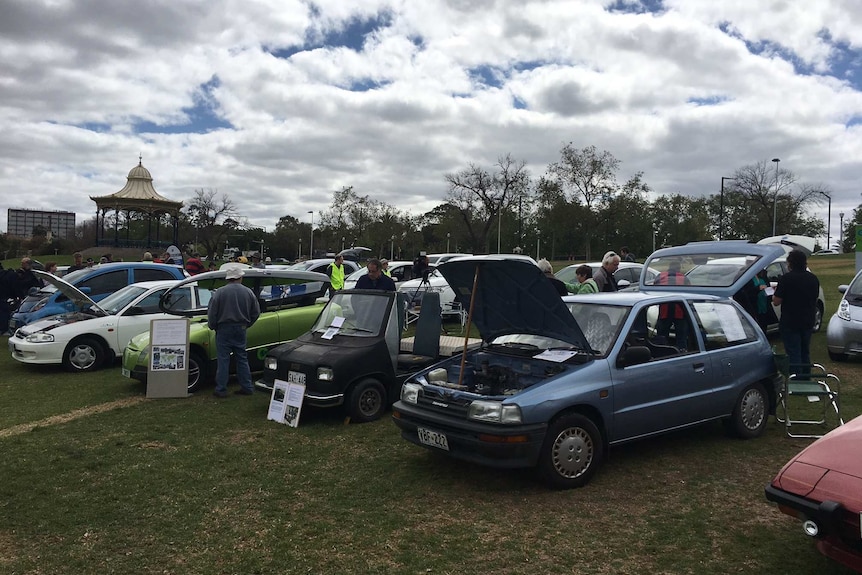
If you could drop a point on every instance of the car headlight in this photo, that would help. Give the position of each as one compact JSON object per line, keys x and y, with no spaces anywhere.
{"x":270,"y":363}
{"x":39,"y":337}
{"x":325,"y":374}
{"x":494,"y":411}
{"x":410,"y":393}
{"x":843,"y":310}
{"x":40,"y":304}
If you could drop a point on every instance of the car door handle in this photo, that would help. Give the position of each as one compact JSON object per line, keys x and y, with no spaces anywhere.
{"x":699,"y":368}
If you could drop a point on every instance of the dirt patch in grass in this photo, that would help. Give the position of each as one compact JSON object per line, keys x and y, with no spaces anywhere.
{"x":71,"y":416}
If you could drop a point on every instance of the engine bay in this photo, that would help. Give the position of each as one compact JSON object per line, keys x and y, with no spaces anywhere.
{"x":494,"y":374}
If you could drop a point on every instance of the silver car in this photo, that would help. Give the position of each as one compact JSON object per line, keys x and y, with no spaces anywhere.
{"x":844,"y":333}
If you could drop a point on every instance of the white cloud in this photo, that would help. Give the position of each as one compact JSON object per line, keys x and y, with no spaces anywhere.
{"x":669,"y":94}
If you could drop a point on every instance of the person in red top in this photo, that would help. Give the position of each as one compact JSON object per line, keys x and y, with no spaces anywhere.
{"x":672,"y":314}
{"x":194,"y":265}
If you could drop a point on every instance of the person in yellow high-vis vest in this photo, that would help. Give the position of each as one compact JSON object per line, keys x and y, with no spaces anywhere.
{"x":335,"y":271}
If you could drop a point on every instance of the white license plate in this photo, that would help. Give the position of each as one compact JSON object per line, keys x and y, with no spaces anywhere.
{"x":126,"y":372}
{"x":433,"y":438}
{"x":296,"y":377}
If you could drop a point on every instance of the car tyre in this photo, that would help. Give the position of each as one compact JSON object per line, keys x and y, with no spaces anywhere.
{"x":818,"y":317}
{"x":837,"y":356}
{"x":571,"y":453}
{"x":750,"y":413}
{"x":83,"y":354}
{"x":199,"y":371}
{"x":367,"y":401}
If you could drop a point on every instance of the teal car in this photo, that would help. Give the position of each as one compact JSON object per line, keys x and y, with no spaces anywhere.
{"x":284,"y":316}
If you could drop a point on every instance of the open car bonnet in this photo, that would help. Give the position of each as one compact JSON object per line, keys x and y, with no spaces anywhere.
{"x":511,"y":297}
{"x":76,"y":296}
{"x":298,"y":286}
{"x":715,"y":268}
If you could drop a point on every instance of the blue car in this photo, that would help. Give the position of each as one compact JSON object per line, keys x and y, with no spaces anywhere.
{"x":558,"y":381}
{"x":96,"y":282}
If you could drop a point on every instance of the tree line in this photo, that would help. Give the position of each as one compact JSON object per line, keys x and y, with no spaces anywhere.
{"x":577,"y":209}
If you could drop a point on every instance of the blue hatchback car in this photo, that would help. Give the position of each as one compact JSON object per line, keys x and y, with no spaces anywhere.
{"x":97,"y":282}
{"x":558,"y":381}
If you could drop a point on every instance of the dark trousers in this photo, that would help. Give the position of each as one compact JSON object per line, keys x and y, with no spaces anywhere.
{"x":797,"y":343}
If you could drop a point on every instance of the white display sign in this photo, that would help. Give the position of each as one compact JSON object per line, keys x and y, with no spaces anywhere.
{"x":285,"y":404}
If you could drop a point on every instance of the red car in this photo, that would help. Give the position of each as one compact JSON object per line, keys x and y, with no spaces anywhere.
{"x":822,"y":486}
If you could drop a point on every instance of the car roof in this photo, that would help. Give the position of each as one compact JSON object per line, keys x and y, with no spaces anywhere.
{"x":694,"y":256}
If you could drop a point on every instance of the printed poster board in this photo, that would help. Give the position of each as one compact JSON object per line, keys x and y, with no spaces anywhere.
{"x":168,"y":369}
{"x":286,"y":402}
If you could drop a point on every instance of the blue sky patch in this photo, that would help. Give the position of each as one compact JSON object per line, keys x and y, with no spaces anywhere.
{"x":637,"y":6}
{"x":708,"y":101}
{"x":201,"y":117}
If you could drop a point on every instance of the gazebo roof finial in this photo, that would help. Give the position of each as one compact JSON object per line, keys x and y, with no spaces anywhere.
{"x":140,"y":158}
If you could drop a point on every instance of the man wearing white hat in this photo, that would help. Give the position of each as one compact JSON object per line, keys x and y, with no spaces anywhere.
{"x":233,"y":309}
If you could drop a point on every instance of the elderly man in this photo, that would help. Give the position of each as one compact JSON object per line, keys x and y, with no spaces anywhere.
{"x":375,"y":279}
{"x":604,"y":278}
{"x":233,"y":309}
{"x":79,"y":263}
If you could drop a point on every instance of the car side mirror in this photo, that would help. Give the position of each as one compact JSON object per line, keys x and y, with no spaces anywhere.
{"x":843,"y":288}
{"x":33,"y":291}
{"x":634,"y":355}
{"x":623,"y":284}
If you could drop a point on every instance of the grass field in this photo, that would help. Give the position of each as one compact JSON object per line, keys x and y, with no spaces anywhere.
{"x":96,"y":479}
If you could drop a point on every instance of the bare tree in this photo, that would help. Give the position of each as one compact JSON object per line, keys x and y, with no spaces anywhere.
{"x":480,"y":196}
{"x":212,"y":217}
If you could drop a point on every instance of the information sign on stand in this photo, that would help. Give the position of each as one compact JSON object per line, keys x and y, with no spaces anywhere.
{"x":286,"y":402}
{"x":168,"y":368}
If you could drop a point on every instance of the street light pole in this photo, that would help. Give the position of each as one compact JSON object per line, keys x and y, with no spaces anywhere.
{"x":775,"y":197}
{"x":828,"y":221}
{"x":392,"y":247}
{"x":311,"y":243}
{"x":499,"y":222}
{"x":720,"y":209}
{"x":448,"y":234}
{"x":841,"y":232}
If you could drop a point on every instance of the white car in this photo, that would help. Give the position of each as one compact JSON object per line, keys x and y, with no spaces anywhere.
{"x":414,"y":289}
{"x":96,"y":333}
{"x":627,"y":274}
{"x":401,"y":271}
{"x":438,"y":259}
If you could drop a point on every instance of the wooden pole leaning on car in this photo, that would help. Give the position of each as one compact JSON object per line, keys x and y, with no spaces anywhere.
{"x":467,"y":330}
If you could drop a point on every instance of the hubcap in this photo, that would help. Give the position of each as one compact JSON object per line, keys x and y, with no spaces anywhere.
{"x":82,"y":356}
{"x":369,"y":402}
{"x":753,"y":409}
{"x":572,"y":452}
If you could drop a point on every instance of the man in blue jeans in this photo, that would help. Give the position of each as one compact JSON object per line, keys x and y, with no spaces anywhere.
{"x":233,"y":309}
{"x":796,"y":293}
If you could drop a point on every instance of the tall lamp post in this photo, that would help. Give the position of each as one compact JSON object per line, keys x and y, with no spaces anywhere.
{"x":342,"y":243}
{"x":299,"y":255}
{"x":392,"y":247}
{"x":841,"y":232}
{"x":311,"y":243}
{"x":499,"y":223}
{"x":775,"y":197}
{"x":448,"y":235}
{"x":720,"y":209}
{"x":828,"y":221}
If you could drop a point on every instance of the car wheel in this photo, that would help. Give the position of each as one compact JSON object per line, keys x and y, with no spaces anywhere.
{"x":818,"y":317}
{"x":84,"y":354}
{"x":198,"y":371}
{"x":367,"y":401}
{"x":835,"y":356}
{"x":572,"y":451}
{"x":750,"y":413}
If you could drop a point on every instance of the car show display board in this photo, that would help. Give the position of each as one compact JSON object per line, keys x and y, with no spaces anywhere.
{"x":286,"y":402}
{"x":168,"y":368}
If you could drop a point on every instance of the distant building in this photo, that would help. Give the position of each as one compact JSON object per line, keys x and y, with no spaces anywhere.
{"x":21,"y":223}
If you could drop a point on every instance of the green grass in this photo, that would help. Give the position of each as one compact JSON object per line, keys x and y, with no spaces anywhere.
{"x":201,"y":485}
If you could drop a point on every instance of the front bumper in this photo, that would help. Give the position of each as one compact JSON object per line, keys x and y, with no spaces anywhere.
{"x":315,"y":399}
{"x":844,"y":336}
{"x":36,"y":353}
{"x":500,"y":446}
{"x":839,"y":537}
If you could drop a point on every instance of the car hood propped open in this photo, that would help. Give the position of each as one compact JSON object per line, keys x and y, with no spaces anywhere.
{"x":512,"y":297}
{"x":76,"y":296}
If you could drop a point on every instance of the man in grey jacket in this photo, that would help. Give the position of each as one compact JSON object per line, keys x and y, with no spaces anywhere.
{"x":233,"y":309}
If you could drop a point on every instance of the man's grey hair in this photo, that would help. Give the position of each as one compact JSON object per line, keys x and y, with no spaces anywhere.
{"x":545,"y":266}
{"x":610,"y":257}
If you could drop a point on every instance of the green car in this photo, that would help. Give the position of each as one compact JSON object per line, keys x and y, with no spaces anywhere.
{"x":288,"y":309}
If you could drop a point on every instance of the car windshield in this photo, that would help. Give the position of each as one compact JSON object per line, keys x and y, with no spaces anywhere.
{"x":704,"y":270}
{"x":121,"y":298}
{"x":354,"y":315}
{"x":600,"y":323}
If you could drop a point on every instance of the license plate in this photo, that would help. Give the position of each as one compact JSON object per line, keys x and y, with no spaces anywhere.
{"x":433,"y":438}
{"x":296,"y":377}
{"x":126,"y":372}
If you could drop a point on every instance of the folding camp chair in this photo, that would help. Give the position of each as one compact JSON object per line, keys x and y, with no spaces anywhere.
{"x":798,"y":395}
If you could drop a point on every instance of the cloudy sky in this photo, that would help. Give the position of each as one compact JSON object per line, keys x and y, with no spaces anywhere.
{"x":279,"y":102}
